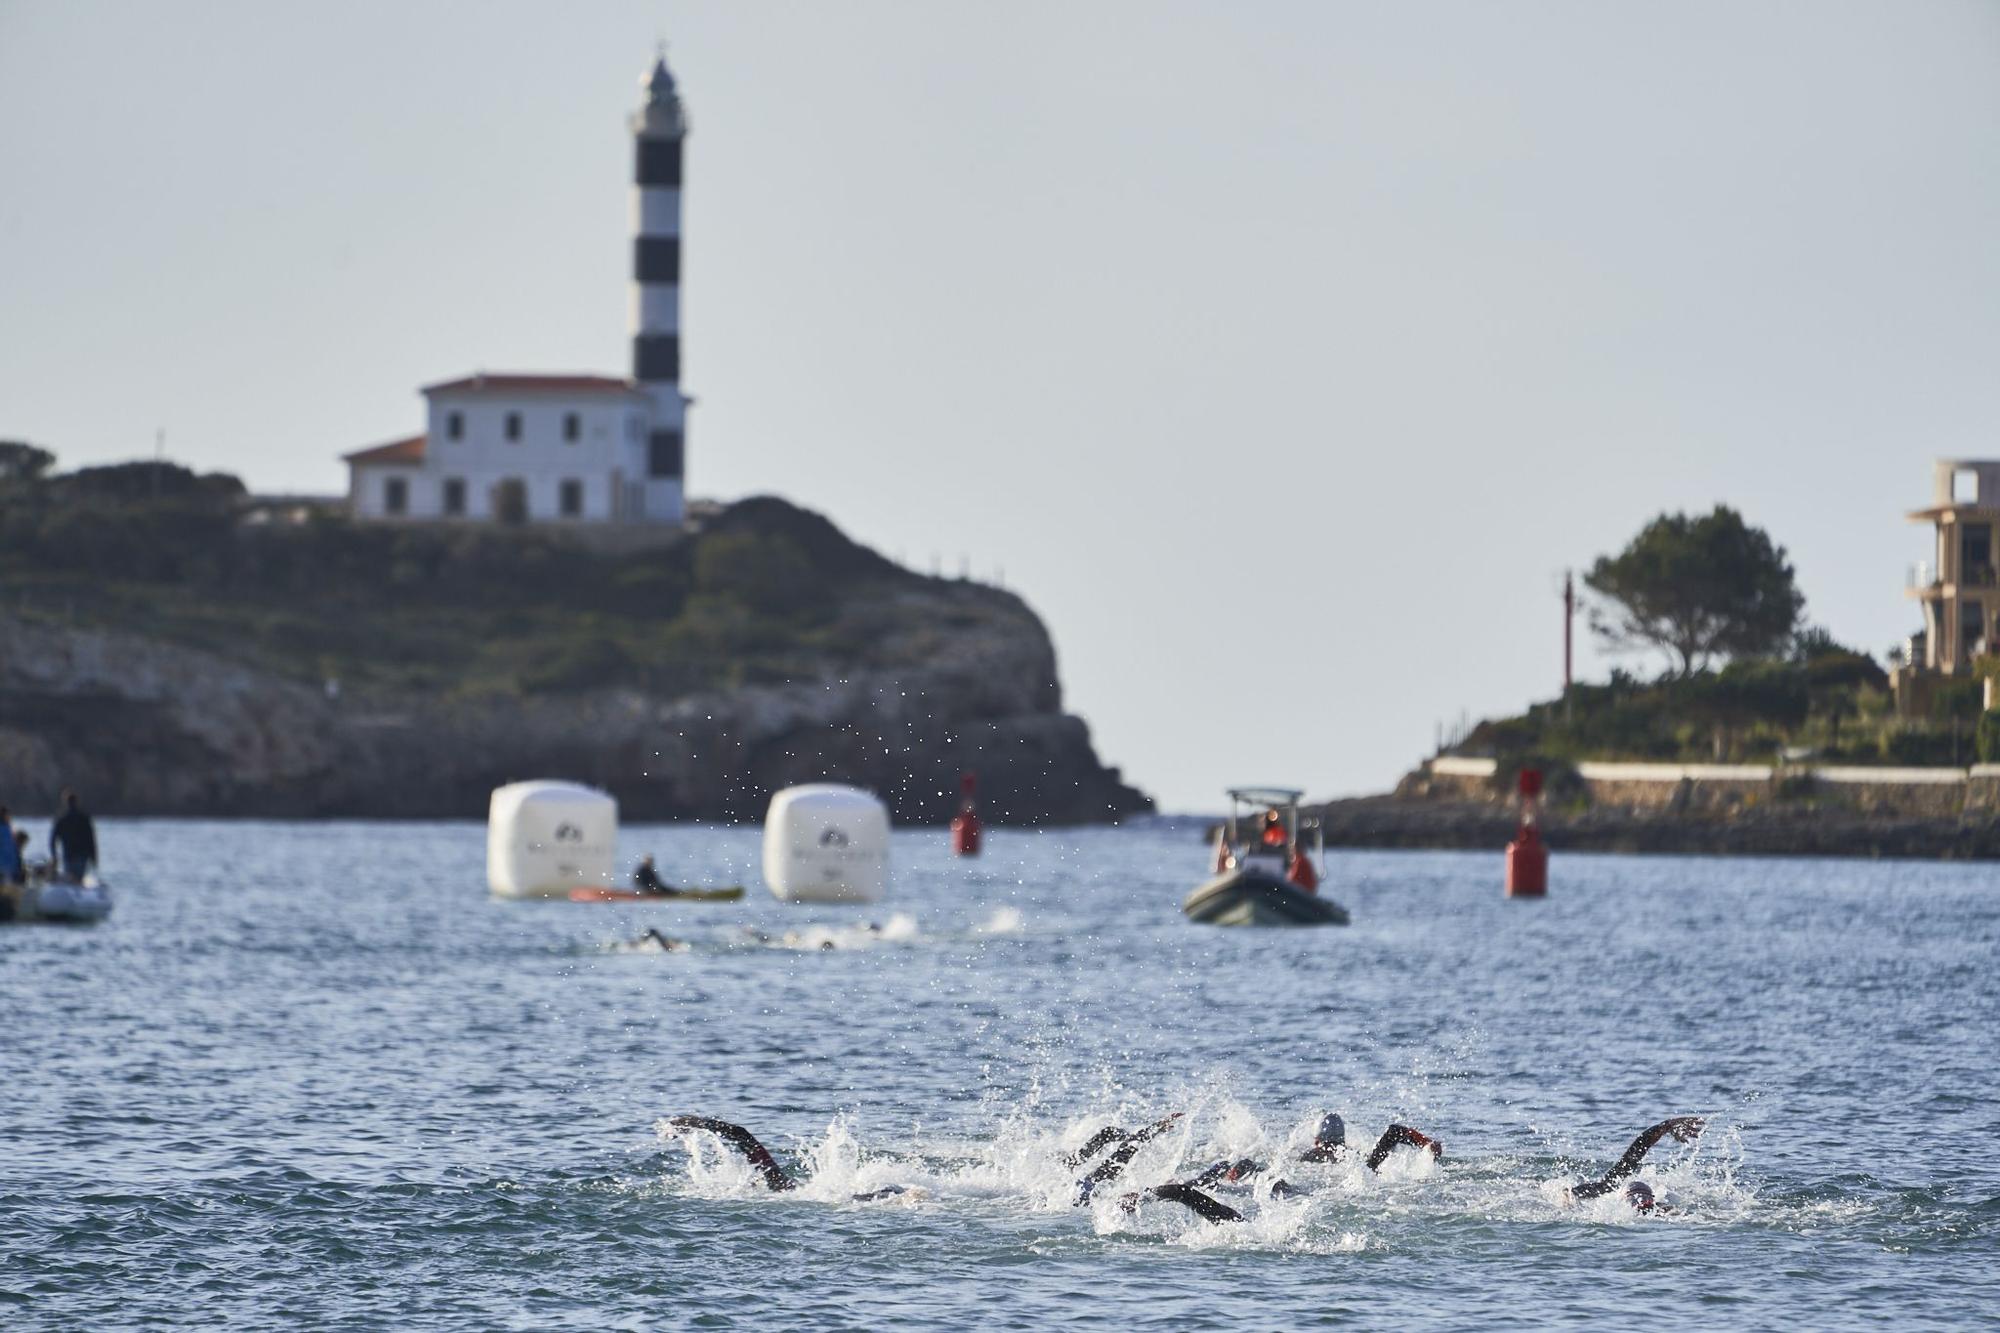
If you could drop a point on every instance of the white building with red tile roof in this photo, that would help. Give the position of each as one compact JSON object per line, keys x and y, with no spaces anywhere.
{"x":563,"y":448}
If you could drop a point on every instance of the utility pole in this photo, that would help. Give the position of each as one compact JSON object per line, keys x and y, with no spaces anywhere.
{"x":1569,"y":626}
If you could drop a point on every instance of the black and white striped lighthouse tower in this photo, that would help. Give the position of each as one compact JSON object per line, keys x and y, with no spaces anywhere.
{"x":658,"y":129}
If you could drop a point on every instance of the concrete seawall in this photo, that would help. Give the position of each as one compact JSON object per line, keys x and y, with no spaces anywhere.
{"x":1698,"y":809}
{"x":1925,"y":793}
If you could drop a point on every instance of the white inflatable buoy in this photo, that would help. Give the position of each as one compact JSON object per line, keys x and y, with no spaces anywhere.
{"x":824,"y":843}
{"x":545,"y":838}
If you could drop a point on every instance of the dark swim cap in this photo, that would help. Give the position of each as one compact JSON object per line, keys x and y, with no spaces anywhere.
{"x":1332,"y":1132}
{"x":1640,"y":1195}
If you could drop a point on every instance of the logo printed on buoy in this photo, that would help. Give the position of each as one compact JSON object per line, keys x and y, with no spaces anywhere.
{"x":568,"y":833}
{"x":832,"y":837}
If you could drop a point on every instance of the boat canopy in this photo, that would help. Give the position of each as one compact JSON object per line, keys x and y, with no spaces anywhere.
{"x":1282,"y":799}
{"x":1266,"y":795}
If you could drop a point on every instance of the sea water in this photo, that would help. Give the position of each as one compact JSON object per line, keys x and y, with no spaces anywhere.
{"x":310,"y":1075}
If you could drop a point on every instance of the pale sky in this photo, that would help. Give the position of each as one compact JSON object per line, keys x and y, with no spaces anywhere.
{"x":1281,"y":354}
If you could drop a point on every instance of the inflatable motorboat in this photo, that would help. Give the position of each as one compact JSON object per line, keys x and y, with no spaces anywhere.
{"x":55,"y":901}
{"x":1264,"y":876}
{"x":1250,"y":896}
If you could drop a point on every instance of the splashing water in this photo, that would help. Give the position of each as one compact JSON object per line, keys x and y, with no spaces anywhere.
{"x":1028,"y":1165}
{"x":324,"y":1081}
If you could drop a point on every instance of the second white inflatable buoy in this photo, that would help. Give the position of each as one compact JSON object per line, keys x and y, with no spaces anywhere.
{"x":545,"y":838}
{"x":825,"y":843}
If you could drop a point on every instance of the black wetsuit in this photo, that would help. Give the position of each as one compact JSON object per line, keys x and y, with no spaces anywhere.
{"x":1683,"y":1128}
{"x":1206,"y":1207}
{"x":776,"y":1178}
{"x":647,"y":880}
{"x":1111,"y":1167}
{"x":744,"y":1142}
{"x":1330,"y":1144}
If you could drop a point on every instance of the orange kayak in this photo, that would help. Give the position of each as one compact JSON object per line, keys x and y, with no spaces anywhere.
{"x":587,"y":895}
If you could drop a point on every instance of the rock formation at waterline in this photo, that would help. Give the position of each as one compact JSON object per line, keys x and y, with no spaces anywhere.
{"x":890,"y":681}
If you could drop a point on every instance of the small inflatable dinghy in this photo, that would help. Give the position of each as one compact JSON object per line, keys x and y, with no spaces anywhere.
{"x":728,"y":895}
{"x":1264,"y":875}
{"x":56,"y":901}
{"x":1254,"y":897}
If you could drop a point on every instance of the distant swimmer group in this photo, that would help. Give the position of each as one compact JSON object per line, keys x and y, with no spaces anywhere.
{"x":1118,"y":1147}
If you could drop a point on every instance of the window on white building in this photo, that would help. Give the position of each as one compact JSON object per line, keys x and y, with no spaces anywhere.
{"x":454,"y":425}
{"x":395,"y":495}
{"x":454,"y":496}
{"x":663,"y":454}
{"x":513,"y":425}
{"x":571,"y":499}
{"x":572,"y":427}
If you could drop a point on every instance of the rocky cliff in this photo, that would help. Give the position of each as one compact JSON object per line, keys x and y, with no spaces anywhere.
{"x":920,"y":681}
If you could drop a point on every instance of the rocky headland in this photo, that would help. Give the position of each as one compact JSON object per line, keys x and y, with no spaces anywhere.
{"x":338,"y":670}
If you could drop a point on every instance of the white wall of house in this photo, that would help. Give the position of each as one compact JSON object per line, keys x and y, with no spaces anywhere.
{"x":370,"y":487}
{"x":484,"y":439}
{"x":579,"y":457}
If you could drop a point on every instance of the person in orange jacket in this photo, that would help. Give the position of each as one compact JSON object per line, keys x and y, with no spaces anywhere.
{"x":1302,"y":871}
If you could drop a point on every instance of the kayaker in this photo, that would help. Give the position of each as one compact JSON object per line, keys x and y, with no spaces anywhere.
{"x":647,"y":880}
{"x":13,"y":870}
{"x":73,"y":839}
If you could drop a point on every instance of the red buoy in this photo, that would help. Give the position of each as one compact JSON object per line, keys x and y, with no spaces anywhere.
{"x":1528,"y":855}
{"x":965,"y":827}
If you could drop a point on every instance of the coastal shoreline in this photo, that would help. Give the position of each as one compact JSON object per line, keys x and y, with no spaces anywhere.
{"x":1394,"y":822}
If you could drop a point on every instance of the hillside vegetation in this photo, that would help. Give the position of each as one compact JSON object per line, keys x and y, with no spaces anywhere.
{"x":1826,"y":702}
{"x":767,"y":592}
{"x":1746,"y":680}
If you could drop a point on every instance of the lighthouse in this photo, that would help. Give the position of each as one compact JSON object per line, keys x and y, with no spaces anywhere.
{"x":659,"y":128}
{"x":564,"y":449}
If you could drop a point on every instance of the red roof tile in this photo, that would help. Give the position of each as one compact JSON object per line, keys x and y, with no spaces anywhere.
{"x":397,"y":451}
{"x":492,"y":383}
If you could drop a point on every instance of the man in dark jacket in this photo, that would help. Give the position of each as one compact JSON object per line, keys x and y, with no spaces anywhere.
{"x":73,"y":839}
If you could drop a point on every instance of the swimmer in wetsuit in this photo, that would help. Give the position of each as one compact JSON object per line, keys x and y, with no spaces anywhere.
{"x":1683,"y":1128}
{"x":1111,"y":1167}
{"x":776,"y":1178}
{"x":1329,"y":1145}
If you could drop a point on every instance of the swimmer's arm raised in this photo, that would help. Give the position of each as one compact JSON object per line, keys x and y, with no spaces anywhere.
{"x":1399,"y":1136}
{"x":1684,"y":1128}
{"x":1095,"y":1144}
{"x":744,"y":1142}
{"x":1109,"y":1168}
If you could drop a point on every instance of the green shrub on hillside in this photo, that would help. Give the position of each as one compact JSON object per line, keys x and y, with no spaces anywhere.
{"x":1921,"y":749}
{"x":764,"y":594}
{"x":1989,"y":736}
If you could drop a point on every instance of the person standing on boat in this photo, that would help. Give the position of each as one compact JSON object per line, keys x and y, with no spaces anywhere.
{"x":13,"y":869}
{"x":73,"y":838}
{"x":1273,"y":835}
{"x":1301,"y":871}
